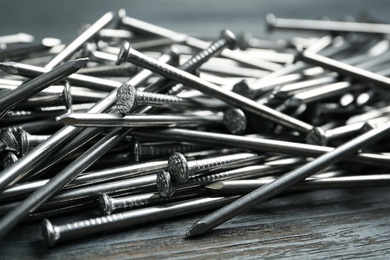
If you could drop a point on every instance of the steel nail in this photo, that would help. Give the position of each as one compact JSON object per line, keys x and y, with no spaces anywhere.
{"x":128,"y":97}
{"x":55,"y":233}
{"x":328,"y":26}
{"x":286,"y":181}
{"x":257,"y":144}
{"x":232,"y":98}
{"x":141,"y":151}
{"x":235,"y":187}
{"x":180,"y":170}
{"x":167,"y":187}
{"x":345,"y":69}
{"x":115,"y":120}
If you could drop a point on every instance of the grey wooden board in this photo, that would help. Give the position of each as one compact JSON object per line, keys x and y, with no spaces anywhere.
{"x":319,"y":224}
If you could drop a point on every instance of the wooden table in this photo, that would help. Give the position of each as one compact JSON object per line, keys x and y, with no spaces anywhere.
{"x":351,"y":223}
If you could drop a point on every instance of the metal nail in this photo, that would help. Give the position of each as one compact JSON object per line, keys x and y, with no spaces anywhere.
{"x":167,"y":187}
{"x":180,"y":170}
{"x":235,"y":187}
{"x":80,"y":40}
{"x":289,"y":179}
{"x":345,"y":69}
{"x":127,"y":97}
{"x":227,"y":39}
{"x":141,"y":151}
{"x":328,"y":26}
{"x":257,"y":144}
{"x":234,"y":99}
{"x":56,"y":233}
{"x":108,"y":205}
{"x":115,"y":120}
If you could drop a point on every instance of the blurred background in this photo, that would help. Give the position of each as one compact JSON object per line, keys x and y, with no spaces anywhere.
{"x":202,"y":18}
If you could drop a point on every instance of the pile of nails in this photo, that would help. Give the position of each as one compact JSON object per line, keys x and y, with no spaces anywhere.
{"x":143,"y":123}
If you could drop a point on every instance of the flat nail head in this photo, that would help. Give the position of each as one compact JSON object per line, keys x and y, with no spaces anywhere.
{"x":123,"y":53}
{"x":135,"y":149}
{"x":230,"y":38}
{"x":125,"y":98}
{"x":49,"y":233}
{"x":316,"y":136}
{"x":178,"y":168}
{"x":105,"y":205}
{"x":234,"y":120}
{"x":164,"y":184}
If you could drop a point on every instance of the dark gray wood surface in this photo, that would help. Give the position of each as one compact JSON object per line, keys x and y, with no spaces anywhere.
{"x":319,"y":224}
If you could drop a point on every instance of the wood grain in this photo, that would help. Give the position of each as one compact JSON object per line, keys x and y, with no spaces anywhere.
{"x":319,"y":224}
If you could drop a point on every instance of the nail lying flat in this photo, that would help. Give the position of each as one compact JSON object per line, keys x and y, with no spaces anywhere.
{"x":128,"y":53}
{"x":281,"y":184}
{"x":235,"y":187}
{"x":115,"y":120}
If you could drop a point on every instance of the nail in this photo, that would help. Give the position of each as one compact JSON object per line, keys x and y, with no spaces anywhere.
{"x":345,"y":69}
{"x":128,"y":97}
{"x":328,"y":26}
{"x":291,"y":89}
{"x":323,"y":92}
{"x":80,"y":40}
{"x":56,"y":233}
{"x":286,"y":181}
{"x":26,"y":141}
{"x":246,"y":40}
{"x":115,"y":34}
{"x":110,"y":70}
{"x":141,"y":151}
{"x":115,"y":120}
{"x":60,"y":180}
{"x":167,"y":187}
{"x":257,"y":144}
{"x":8,"y":98}
{"x":208,"y":88}
{"x":235,"y":121}
{"x":108,"y":205}
{"x":180,"y":170}
{"x":138,"y":25}
{"x":236,"y":187}
{"x":227,"y":40}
